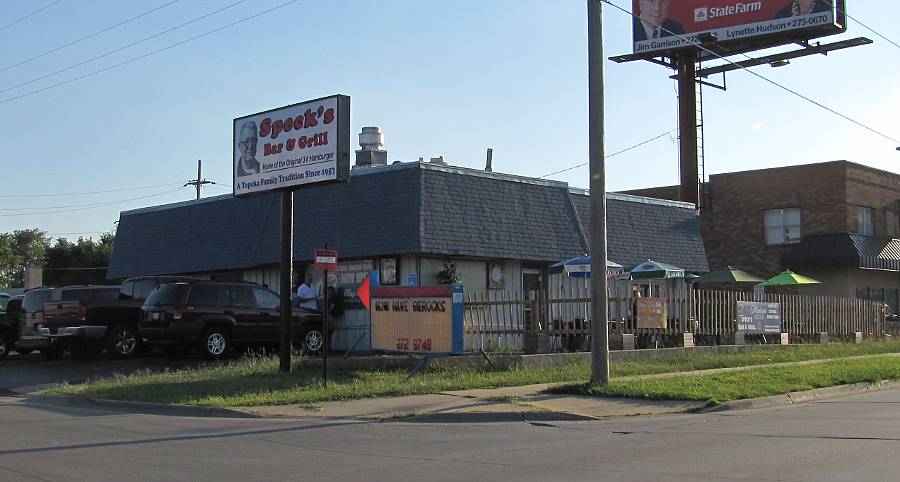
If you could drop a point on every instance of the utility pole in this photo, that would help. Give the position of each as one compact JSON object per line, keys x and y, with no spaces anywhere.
{"x":199,"y":182}
{"x":599,"y":305}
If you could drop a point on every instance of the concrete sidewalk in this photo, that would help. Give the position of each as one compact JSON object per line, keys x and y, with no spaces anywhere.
{"x":512,"y":402}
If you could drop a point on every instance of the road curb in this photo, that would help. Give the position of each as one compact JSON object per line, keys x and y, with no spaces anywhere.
{"x":794,"y":398}
{"x":140,"y":407}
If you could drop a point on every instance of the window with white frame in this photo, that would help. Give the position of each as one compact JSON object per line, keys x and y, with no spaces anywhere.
{"x":782,"y":226}
{"x":865,"y":221}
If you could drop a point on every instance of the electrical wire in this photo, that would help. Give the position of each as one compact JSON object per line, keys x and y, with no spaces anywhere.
{"x":87,"y":193}
{"x":94,"y":206}
{"x":895,"y":44}
{"x":783,"y":87}
{"x":14,"y":22}
{"x":87,"y":37}
{"x":613,"y":154}
{"x":120,"y":64}
{"x":73,"y":234}
{"x":119,"y":49}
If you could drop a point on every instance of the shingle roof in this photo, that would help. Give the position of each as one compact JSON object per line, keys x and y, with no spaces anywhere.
{"x":844,"y":250}
{"x":404,"y":209}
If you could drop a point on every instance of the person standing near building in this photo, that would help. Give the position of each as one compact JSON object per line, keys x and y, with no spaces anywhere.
{"x":307,"y":294}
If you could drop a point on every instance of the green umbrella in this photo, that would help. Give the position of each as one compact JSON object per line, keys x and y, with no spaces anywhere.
{"x":788,"y":278}
{"x":655,"y":270}
{"x":728,"y":276}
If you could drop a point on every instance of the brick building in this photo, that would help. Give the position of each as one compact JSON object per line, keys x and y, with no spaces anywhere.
{"x":834,"y":221}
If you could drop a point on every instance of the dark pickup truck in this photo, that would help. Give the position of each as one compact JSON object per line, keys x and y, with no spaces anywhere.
{"x":94,"y":318}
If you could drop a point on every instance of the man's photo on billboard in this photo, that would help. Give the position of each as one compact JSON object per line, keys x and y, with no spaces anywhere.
{"x":651,"y":21}
{"x":796,"y":8}
{"x":245,"y":150}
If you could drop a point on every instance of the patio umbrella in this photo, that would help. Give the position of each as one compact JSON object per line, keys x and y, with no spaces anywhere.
{"x":788,"y":278}
{"x":655,"y":270}
{"x":580,"y":267}
{"x":728,"y":276}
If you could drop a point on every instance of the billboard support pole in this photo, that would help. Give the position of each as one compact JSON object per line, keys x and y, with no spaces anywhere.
{"x":599,"y":305}
{"x":287,"y":261}
{"x":686,"y":63}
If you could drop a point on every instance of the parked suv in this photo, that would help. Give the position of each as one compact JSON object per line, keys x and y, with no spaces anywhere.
{"x":9,"y":325}
{"x":212,"y":316}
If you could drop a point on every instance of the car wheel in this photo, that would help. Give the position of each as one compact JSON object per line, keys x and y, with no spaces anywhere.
{"x":214,"y":343}
{"x":313,"y":341}
{"x":85,"y":349}
{"x":123,"y":340}
{"x":54,"y":351}
{"x":5,"y":346}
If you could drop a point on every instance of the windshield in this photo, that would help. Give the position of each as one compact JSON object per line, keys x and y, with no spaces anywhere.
{"x":165,"y":295}
{"x":34,"y":300}
{"x":4,"y":299}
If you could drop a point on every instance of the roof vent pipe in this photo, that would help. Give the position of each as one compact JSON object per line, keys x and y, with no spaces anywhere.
{"x":490,"y":157}
{"x":371,"y":153}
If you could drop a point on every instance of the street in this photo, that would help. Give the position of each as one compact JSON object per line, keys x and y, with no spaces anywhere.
{"x":853,"y":438}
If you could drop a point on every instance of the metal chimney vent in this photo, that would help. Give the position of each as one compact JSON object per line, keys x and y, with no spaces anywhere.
{"x":371,"y":153}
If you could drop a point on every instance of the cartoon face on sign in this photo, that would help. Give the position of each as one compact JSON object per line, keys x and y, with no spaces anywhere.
{"x":246,"y":150}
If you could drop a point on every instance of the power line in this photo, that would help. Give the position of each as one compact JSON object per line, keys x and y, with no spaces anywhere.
{"x":87,"y":37}
{"x":73,"y":234}
{"x":116,"y":50}
{"x":149,"y":54}
{"x":29,"y":15}
{"x":614,"y":154}
{"x":895,"y":44}
{"x":783,"y":87}
{"x":87,"y":193}
{"x":94,"y":206}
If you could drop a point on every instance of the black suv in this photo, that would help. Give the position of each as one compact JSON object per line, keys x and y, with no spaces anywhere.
{"x":212,"y":316}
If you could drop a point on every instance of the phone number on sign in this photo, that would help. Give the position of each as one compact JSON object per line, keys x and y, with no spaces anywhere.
{"x":418,"y":344}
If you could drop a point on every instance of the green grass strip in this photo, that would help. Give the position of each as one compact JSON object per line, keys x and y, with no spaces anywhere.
{"x":752,"y":383}
{"x":254,"y":380}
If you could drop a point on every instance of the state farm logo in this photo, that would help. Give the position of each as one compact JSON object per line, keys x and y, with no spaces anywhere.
{"x":701,"y":14}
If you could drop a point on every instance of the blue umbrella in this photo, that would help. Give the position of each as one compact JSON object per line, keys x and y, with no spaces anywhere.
{"x":580,"y":267}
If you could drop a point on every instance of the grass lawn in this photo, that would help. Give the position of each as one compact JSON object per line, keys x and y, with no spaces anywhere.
{"x":757,"y":382}
{"x":253,"y":381}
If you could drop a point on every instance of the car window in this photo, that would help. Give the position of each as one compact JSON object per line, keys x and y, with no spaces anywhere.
{"x":203,"y":295}
{"x":106,"y":294}
{"x":3,"y":302}
{"x":266,"y":300}
{"x":165,"y":295}
{"x":80,"y":295}
{"x":127,"y":290}
{"x":34,"y":300}
{"x":237,"y":297}
{"x":143,"y":288}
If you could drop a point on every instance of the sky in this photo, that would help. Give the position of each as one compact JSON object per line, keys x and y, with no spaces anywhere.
{"x":439,"y":78}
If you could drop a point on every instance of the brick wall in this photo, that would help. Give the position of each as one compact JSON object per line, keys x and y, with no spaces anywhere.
{"x":732,"y":223}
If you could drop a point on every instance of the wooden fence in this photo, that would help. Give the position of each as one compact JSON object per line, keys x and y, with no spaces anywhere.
{"x":501,"y":320}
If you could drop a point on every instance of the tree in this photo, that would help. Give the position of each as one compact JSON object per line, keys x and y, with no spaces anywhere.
{"x":18,"y":249}
{"x":82,"y":262}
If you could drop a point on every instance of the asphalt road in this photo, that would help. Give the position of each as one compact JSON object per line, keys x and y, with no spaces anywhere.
{"x":850,"y":439}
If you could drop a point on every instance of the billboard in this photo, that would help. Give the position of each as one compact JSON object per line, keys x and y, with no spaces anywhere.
{"x":294,"y":145}
{"x":661,"y":26}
